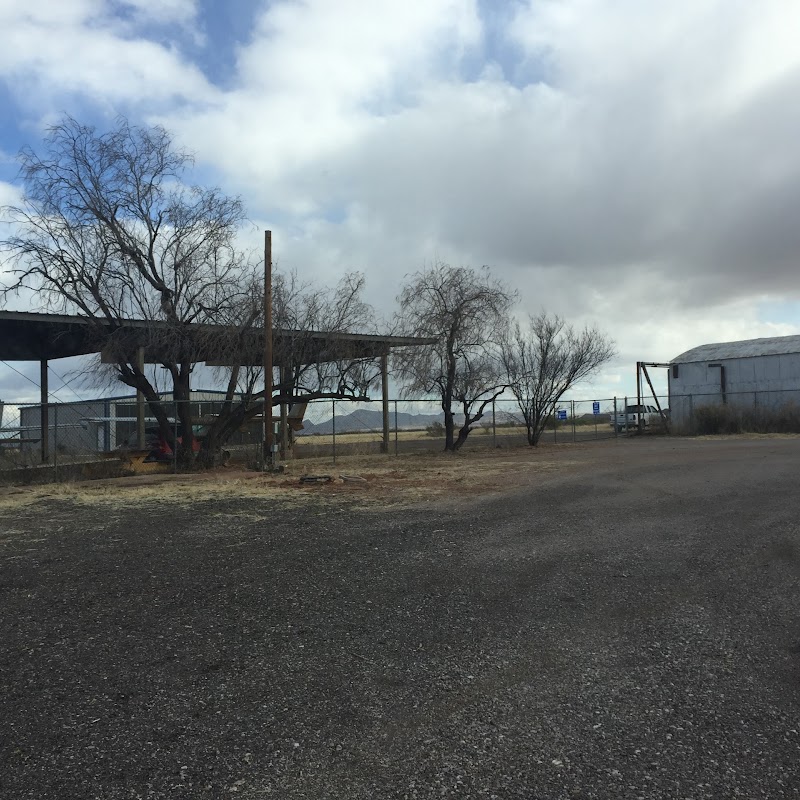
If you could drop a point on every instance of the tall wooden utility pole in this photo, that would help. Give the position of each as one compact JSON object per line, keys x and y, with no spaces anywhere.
{"x":268,"y":431}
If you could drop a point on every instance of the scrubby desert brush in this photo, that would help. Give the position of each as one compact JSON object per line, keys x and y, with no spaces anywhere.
{"x":731,"y":419}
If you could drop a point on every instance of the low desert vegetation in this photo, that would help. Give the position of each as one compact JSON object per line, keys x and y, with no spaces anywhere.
{"x":728,"y":419}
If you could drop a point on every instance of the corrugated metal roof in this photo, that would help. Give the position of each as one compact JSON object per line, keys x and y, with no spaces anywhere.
{"x":749,"y":348}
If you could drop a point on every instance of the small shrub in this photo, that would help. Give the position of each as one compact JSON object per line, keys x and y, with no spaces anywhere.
{"x":721,"y":419}
{"x":435,"y":429}
{"x":785,"y":419}
{"x":714,"y":420}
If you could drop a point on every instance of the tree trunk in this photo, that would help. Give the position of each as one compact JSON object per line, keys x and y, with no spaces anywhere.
{"x":535,"y":427}
{"x":131,"y":376}
{"x":462,"y":436}
{"x":183,"y":412}
{"x":223,"y":427}
{"x":530,"y":429}
{"x":449,"y":427}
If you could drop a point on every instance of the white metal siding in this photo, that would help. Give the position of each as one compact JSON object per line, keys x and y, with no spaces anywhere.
{"x":758,"y":381}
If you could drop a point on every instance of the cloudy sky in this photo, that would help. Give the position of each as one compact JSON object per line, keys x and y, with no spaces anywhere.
{"x":629,"y":163}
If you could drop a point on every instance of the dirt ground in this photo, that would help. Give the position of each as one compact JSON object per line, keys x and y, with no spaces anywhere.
{"x":609,"y":620}
{"x":403,"y":480}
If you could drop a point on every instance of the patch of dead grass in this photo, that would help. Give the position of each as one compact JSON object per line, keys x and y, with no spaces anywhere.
{"x":389,"y":480}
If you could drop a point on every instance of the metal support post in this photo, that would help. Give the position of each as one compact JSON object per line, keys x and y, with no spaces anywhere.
{"x":55,"y":443}
{"x":140,"y":437}
{"x":44,"y":412}
{"x":284,"y":414}
{"x":661,"y":414}
{"x":385,"y":402}
{"x":572,"y":413}
{"x":333,"y":427}
{"x":639,"y":415}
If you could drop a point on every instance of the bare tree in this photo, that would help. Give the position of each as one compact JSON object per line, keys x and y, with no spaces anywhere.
{"x":303,"y":318}
{"x":545,"y":360}
{"x":465,"y":310}
{"x":109,"y":229}
{"x":337,"y":371}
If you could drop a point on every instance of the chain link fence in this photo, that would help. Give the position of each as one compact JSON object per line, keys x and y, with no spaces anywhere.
{"x":339,"y":427}
{"x":81,"y":436}
{"x":102,"y":436}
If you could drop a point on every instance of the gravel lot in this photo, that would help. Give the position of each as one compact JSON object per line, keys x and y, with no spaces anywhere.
{"x":627,"y":626}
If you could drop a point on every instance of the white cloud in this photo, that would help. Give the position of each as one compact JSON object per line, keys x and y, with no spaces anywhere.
{"x":10,"y":194}
{"x":652,"y":150}
{"x":78,"y":48}
{"x":648,"y":180}
{"x":316,"y":78}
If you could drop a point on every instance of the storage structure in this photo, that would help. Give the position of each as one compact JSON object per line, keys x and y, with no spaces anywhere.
{"x":757,"y":374}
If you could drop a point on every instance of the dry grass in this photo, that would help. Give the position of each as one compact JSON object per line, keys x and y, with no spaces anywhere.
{"x":361,"y":437}
{"x":389,"y":480}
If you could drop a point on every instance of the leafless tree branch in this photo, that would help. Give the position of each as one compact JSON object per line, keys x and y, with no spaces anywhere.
{"x":544,"y":360}
{"x":466,"y":311}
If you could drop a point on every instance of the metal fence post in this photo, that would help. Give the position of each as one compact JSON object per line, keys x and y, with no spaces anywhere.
{"x":625,"y":412}
{"x":175,"y":439}
{"x":55,"y":443}
{"x":396,"y":434}
{"x":616,"y":432}
{"x":572,"y":412}
{"x":494,"y":425}
{"x":333,"y":428}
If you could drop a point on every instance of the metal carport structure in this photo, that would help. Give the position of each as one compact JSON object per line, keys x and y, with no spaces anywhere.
{"x":27,"y":336}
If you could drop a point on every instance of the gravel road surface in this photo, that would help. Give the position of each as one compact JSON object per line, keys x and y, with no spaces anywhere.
{"x":628,"y":627}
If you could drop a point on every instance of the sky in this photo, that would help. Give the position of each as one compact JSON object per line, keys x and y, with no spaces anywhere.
{"x":629,"y":164}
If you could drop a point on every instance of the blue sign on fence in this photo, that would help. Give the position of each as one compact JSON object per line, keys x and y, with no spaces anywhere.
{"x":595,"y":407}
{"x":561,"y":413}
